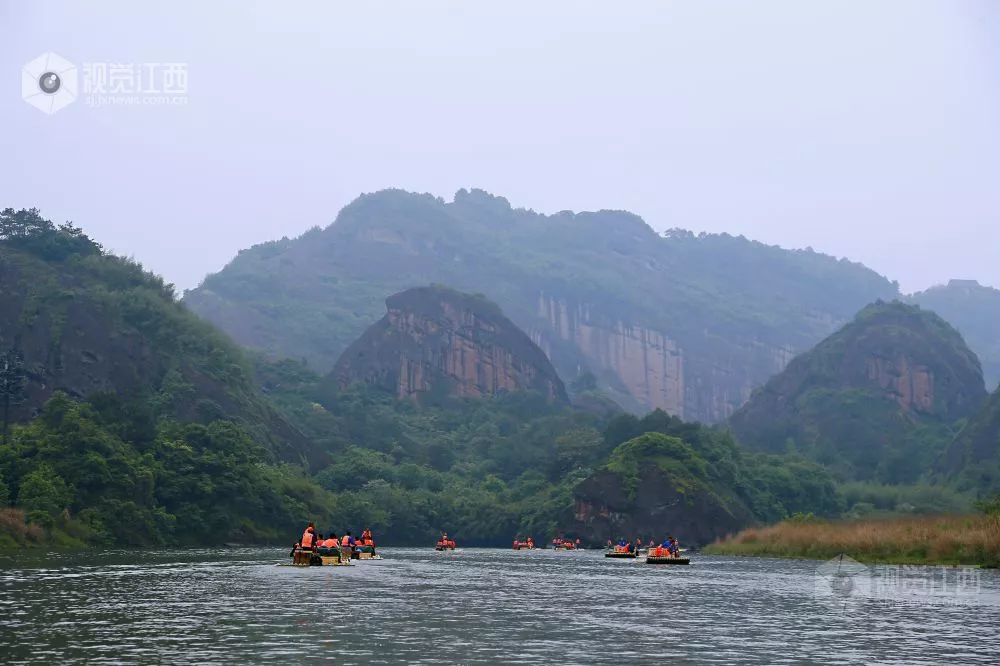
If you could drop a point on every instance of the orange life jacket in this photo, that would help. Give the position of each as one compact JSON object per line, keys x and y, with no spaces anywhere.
{"x":345,"y":540}
{"x":307,"y":539}
{"x":329,"y":543}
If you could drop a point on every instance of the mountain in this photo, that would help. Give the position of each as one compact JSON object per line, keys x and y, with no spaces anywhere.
{"x":878,"y":400}
{"x":436,"y":342}
{"x":974,"y":456}
{"x":975,"y":311}
{"x":681,"y":322}
{"x":87,"y":323}
{"x":668,"y":476}
{"x":128,"y":420}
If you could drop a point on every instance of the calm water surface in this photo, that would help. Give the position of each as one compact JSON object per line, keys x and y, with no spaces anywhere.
{"x":479,"y":606}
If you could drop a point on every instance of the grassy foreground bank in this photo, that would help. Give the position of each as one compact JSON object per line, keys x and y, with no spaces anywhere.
{"x":962,"y":539}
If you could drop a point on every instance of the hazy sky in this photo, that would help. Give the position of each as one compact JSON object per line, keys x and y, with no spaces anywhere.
{"x":866,"y":129}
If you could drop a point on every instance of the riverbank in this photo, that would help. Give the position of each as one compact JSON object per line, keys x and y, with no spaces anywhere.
{"x":17,"y":534}
{"x":961,"y":539}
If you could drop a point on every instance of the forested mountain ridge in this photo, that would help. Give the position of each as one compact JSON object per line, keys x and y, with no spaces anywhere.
{"x":686,"y":323}
{"x":132,"y":421}
{"x":138,"y":424}
{"x":974,"y":310}
{"x":878,"y":400}
{"x":86,"y":322}
{"x":973,"y":459}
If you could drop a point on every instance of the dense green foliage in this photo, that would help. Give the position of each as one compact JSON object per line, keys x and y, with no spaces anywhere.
{"x":973,"y":459}
{"x":109,"y":475}
{"x":84,"y":320}
{"x":879,"y":400}
{"x":772,"y":487}
{"x":486,"y":470}
{"x":157,"y":433}
{"x":312,"y":296}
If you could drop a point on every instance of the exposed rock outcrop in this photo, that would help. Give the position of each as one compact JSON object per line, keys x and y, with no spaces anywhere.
{"x":435,"y":342}
{"x":875,"y":400}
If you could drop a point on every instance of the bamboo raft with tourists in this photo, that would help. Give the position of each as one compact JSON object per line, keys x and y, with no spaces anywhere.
{"x":313,"y":550}
{"x":669,"y":552}
{"x":444,"y":543}
{"x":560,"y":543}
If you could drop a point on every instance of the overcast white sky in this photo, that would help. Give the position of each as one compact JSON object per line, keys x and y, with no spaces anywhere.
{"x":866,"y":129}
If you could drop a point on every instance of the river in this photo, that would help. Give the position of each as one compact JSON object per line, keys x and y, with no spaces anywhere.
{"x":486,"y":605}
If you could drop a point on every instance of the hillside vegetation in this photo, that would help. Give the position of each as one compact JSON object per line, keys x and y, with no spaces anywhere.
{"x":879,"y":400}
{"x":131,"y":420}
{"x":974,"y":310}
{"x":683,"y":322}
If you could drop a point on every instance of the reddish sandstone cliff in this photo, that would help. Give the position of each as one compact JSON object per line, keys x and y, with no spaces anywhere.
{"x":435,"y":342}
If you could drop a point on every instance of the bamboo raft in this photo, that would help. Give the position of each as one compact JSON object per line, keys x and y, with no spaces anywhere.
{"x":325,"y":561}
{"x":661,"y":555}
{"x":653,"y":559}
{"x":621,"y":554}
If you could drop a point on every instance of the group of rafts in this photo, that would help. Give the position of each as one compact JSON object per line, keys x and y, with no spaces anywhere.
{"x":312,"y":550}
{"x":669,"y":552}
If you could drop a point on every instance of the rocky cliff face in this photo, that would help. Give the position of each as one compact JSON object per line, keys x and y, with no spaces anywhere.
{"x":435,"y":342}
{"x":875,"y":400}
{"x":643,"y":368}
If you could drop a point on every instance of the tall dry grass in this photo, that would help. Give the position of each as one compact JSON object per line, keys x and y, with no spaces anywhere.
{"x":13,"y":524}
{"x":963,"y":539}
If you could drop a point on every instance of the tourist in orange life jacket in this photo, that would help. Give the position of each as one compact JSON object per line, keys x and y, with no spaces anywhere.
{"x":308,"y":540}
{"x":329,"y":546}
{"x":347,"y":541}
{"x":366,"y":538}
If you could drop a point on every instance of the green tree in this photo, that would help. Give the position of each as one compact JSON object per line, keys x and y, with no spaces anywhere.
{"x":12,"y":384}
{"x":43,"y":494}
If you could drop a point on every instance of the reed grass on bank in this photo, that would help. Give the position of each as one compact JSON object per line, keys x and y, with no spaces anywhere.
{"x":952,"y":539}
